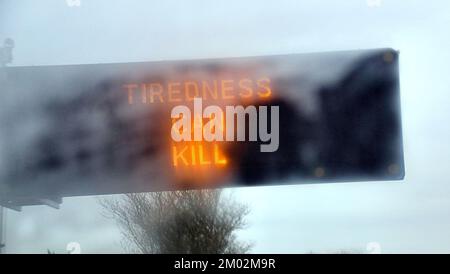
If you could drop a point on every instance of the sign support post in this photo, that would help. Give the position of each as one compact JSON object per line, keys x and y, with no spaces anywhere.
{"x":2,"y":230}
{"x":5,"y":58}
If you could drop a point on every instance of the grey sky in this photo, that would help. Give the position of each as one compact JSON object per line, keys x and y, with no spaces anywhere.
{"x":408,"y":216}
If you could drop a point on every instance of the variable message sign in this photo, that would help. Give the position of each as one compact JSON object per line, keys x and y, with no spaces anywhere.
{"x":136,"y":127}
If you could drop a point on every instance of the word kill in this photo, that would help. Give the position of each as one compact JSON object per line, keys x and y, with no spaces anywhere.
{"x":229,"y":126}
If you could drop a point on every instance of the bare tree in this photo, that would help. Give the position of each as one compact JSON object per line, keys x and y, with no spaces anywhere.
{"x":183,"y":222}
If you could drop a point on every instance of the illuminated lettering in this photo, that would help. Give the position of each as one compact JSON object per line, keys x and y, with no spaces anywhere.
{"x":235,"y":115}
{"x":130,"y":89}
{"x":179,"y":154}
{"x":186,"y":91}
{"x":199,"y":154}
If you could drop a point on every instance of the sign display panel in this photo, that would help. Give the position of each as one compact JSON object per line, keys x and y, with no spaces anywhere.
{"x":151,"y":126}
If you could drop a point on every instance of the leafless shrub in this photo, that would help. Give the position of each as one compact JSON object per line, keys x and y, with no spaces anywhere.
{"x":182,"y":222}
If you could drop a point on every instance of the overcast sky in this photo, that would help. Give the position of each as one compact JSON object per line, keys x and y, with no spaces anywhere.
{"x":408,"y":216}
